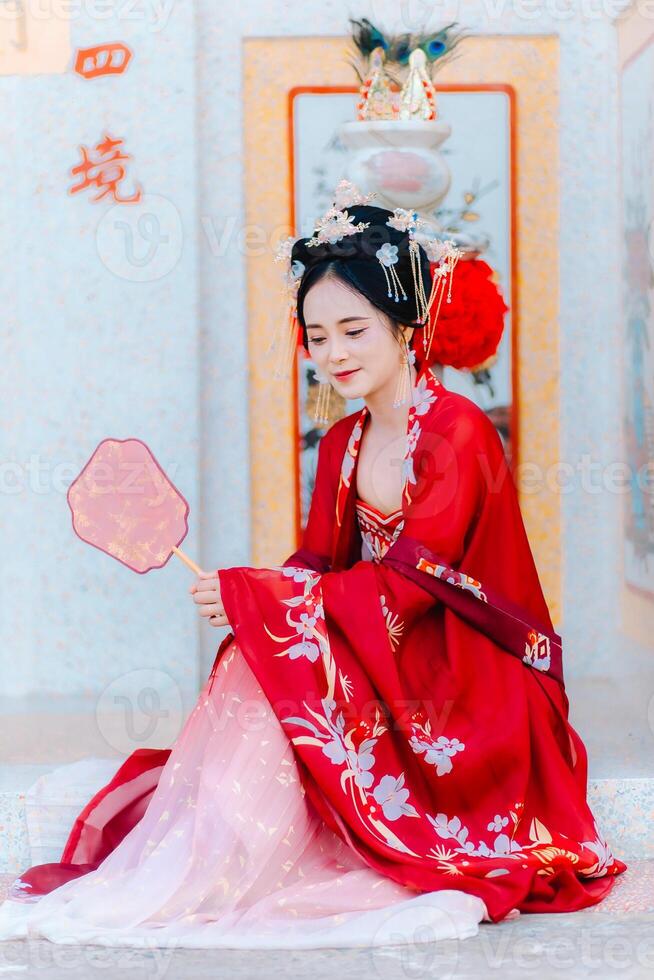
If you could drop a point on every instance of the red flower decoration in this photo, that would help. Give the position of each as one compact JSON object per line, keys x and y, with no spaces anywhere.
{"x":469,"y":328}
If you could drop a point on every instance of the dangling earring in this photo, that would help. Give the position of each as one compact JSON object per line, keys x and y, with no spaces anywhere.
{"x":404,"y":377}
{"x":321,"y":413}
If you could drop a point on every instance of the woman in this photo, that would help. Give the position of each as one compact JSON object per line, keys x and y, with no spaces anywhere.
{"x":411,"y":763}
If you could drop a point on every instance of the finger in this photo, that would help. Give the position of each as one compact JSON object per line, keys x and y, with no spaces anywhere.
{"x":199,"y":582}
{"x":218,"y":621}
{"x":205,"y":597}
{"x":208,"y":584}
{"x":213,"y":610}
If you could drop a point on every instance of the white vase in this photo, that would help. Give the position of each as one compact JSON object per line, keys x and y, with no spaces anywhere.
{"x":398,"y":160}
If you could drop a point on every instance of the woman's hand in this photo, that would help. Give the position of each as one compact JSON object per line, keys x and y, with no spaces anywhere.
{"x":206,"y":593}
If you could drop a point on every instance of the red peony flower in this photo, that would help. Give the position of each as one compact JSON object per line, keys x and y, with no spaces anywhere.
{"x":469,"y":328}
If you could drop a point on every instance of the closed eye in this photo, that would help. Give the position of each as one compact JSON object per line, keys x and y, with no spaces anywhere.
{"x":348,"y":333}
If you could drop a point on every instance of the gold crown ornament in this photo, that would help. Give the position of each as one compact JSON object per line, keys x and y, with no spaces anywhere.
{"x":377,"y":100}
{"x":418,"y":98}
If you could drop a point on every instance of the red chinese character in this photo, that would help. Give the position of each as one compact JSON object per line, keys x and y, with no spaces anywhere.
{"x":105,"y":59}
{"x":105,"y":172}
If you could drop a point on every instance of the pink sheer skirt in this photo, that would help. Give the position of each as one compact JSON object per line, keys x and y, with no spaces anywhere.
{"x":230,"y":852}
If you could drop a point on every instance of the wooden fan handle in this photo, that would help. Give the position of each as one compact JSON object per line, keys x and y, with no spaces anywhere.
{"x":187,"y":561}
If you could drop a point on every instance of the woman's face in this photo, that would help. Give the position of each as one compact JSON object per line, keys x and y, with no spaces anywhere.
{"x":345,"y":332}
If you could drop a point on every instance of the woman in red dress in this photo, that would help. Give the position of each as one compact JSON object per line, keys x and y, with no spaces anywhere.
{"x":413,"y":764}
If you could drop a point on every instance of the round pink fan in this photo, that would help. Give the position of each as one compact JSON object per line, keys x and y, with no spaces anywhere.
{"x":123,"y":503}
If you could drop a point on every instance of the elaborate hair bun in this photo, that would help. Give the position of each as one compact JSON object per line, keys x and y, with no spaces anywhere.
{"x":377,"y":258}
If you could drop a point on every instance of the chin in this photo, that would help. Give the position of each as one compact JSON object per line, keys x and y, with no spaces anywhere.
{"x":356,"y":388}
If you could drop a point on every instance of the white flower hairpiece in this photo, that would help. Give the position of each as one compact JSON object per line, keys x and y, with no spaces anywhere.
{"x":442,"y":255}
{"x":284,"y":249}
{"x":404,"y":220}
{"x":439,"y":250}
{"x":293,"y":271}
{"x":347,"y":194}
{"x":388,"y":257}
{"x":335,"y":225}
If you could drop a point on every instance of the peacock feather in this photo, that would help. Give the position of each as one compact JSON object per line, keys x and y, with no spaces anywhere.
{"x":367,"y":37}
{"x":438,"y":47}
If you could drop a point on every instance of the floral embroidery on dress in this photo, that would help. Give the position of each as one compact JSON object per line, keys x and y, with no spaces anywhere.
{"x":424,"y":393}
{"x":308,"y":632}
{"x":297,"y":573}
{"x":453,"y":829}
{"x":460,"y":579}
{"x":351,"y":747}
{"x":19,"y":890}
{"x":541,"y":849}
{"x":437,"y":752}
{"x":394,"y":625}
{"x":378,"y":531}
{"x":347,"y":466}
{"x":380,"y":799}
{"x":537,"y":650}
{"x":424,"y":396}
{"x":392,"y":795}
{"x":604,"y":854}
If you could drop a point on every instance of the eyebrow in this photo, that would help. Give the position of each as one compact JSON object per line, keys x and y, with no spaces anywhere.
{"x":346,"y":319}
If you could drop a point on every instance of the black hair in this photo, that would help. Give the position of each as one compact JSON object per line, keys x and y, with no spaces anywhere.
{"x":339,"y":270}
{"x":353,"y":261}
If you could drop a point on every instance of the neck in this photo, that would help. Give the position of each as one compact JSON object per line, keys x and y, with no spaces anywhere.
{"x":384,"y":416}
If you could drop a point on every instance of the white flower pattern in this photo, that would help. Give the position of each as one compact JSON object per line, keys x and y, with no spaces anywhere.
{"x":394,"y":625}
{"x":438,"y":753}
{"x":393,"y":795}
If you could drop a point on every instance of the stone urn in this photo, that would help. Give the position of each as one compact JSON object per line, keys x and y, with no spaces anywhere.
{"x":399,"y":160}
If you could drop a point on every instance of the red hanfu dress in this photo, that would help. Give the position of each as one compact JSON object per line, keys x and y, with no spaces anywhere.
{"x":434,"y":733}
{"x":414,"y":677}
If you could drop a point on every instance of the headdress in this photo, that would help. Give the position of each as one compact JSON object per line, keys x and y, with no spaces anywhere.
{"x":376,"y":242}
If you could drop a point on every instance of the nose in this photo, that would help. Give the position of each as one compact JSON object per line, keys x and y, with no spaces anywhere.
{"x":337,"y":352}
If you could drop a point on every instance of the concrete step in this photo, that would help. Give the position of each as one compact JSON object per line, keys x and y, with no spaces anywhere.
{"x":33,"y":829}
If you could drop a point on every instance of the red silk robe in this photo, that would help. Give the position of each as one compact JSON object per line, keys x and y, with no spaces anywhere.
{"x":422,"y":692}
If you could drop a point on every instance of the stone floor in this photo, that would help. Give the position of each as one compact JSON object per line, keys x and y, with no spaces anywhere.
{"x":609,"y":940}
